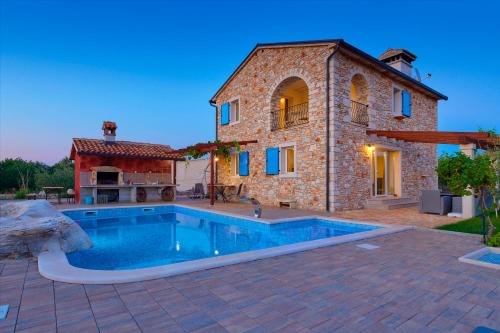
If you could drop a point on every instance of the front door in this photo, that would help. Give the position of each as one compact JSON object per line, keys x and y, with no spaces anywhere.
{"x":385,"y":170}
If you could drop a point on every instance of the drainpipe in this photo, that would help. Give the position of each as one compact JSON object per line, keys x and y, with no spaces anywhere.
{"x":214,"y":105}
{"x":328,"y":125}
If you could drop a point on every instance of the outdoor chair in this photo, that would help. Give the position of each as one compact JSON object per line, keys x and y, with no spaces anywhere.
{"x":431,"y":201}
{"x":236,"y":195}
{"x":198,"y":191}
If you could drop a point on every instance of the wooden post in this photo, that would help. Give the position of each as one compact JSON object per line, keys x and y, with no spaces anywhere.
{"x":175,"y":172}
{"x":212,"y":196}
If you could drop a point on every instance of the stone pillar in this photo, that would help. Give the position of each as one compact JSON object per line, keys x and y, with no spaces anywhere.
{"x":468,"y":202}
{"x":133,"y":194}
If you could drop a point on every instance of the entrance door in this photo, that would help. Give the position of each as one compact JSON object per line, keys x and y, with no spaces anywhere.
{"x":385,"y":171}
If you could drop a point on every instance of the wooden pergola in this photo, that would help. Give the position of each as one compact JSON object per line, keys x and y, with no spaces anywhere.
{"x":482,"y":140}
{"x":210,"y":148}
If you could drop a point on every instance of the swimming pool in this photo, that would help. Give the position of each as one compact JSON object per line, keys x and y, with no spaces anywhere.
{"x":152,"y":236}
{"x":149,"y":242}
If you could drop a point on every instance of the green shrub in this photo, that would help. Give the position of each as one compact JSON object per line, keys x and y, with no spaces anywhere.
{"x":494,"y":241}
{"x":21,"y":194}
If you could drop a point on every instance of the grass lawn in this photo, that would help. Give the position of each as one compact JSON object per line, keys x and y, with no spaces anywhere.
{"x":471,"y":226}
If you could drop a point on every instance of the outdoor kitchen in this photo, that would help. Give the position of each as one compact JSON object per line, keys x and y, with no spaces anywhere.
{"x":111,"y":171}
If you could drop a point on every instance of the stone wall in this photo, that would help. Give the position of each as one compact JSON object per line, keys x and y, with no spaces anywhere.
{"x":255,"y":85}
{"x":351,"y":160}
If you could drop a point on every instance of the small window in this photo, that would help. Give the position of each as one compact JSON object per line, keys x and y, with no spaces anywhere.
{"x":235,"y":164}
{"x":234,"y":115}
{"x":397,"y":98}
{"x":287,"y":157}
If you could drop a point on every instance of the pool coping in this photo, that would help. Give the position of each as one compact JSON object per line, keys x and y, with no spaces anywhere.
{"x":473,"y":257}
{"x":54,"y":265}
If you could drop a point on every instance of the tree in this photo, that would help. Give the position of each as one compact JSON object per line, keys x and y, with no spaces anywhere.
{"x":466,"y":176}
{"x":19,"y":174}
{"x":60,"y":174}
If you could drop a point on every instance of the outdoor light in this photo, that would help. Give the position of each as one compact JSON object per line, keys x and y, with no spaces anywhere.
{"x":216,"y":252}
{"x":216,"y":159}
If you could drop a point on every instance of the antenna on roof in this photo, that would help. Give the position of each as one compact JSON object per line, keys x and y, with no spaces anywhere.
{"x":419,"y":78}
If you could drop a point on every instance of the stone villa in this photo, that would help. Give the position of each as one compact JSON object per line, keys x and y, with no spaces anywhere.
{"x":310,"y":104}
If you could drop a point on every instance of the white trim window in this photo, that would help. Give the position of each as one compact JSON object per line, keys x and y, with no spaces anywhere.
{"x":397,"y":105}
{"x":235,"y":165}
{"x":288,"y":160}
{"x":234,"y":111}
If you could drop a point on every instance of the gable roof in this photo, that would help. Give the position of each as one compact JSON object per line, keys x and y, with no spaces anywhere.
{"x":342,"y":45}
{"x":96,"y":147}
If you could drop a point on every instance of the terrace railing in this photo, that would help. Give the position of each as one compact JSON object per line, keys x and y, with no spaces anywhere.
{"x":289,"y":117}
{"x":359,"y":113}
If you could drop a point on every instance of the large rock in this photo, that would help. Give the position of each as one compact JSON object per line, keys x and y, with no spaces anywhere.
{"x":27,"y":226}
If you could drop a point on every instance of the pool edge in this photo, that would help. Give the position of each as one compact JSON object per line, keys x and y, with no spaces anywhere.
{"x":53,"y":264}
{"x":473,"y":257}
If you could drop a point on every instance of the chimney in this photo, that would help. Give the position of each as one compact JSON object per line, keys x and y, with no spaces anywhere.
{"x":109,"y":129}
{"x":399,"y":59}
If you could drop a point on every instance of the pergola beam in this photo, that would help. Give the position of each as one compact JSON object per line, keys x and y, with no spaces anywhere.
{"x":481,"y":139}
{"x":211,"y":148}
{"x":207,"y":147}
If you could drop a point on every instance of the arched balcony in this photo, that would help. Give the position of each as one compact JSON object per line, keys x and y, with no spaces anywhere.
{"x":359,"y":100}
{"x":290,"y":104}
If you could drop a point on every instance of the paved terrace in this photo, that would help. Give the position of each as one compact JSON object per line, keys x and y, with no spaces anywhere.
{"x":403,"y":216}
{"x":412,"y":283}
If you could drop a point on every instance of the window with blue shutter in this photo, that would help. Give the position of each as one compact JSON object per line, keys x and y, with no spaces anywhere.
{"x":244,"y":161}
{"x":272,"y":161}
{"x":406,"y":103}
{"x":224,"y":114}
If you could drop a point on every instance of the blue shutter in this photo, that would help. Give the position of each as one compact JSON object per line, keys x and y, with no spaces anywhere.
{"x":272,"y":161}
{"x":224,"y":114}
{"x":244,"y":163}
{"x":406,"y":103}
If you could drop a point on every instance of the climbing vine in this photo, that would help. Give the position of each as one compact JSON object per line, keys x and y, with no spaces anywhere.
{"x":223,"y":150}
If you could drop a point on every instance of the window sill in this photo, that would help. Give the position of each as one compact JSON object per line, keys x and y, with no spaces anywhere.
{"x":234,"y":123}
{"x":288,"y":175}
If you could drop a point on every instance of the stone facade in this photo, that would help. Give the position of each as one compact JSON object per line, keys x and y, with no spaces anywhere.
{"x":255,"y":86}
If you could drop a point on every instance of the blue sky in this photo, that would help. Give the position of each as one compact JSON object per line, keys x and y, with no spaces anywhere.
{"x":152,"y":66}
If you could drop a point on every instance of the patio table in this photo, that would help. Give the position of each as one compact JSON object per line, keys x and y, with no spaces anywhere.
{"x":220,"y":190}
{"x":53,"y":189}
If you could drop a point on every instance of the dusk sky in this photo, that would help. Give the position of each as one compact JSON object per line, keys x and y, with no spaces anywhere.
{"x":151,"y":66}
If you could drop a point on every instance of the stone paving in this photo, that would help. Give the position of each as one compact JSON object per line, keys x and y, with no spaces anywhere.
{"x":412,"y":283}
{"x":403,"y":216}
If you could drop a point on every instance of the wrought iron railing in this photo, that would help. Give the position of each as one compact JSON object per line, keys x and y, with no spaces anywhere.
{"x":359,"y":113}
{"x":291,"y":116}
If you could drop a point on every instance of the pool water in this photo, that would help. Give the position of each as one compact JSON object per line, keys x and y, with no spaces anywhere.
{"x":132,"y":238}
{"x":492,"y":258}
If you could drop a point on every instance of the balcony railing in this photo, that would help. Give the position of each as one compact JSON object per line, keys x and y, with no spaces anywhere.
{"x":289,"y":117}
{"x":359,"y":113}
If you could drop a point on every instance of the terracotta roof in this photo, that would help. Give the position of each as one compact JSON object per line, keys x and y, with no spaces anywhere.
{"x":109,"y":124}
{"x":342,"y":45}
{"x":122,"y":149}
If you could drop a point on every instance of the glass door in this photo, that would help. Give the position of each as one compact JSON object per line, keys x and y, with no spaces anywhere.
{"x":386,"y":173}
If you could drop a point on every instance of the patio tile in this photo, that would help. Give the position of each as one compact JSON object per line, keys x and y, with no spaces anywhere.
{"x":194,"y":321}
{"x":414,"y":283}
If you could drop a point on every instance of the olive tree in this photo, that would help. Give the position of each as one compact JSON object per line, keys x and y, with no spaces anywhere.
{"x":466,"y":176}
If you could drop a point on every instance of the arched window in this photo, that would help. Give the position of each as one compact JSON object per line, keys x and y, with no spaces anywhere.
{"x":359,"y":100}
{"x":290,"y":104}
